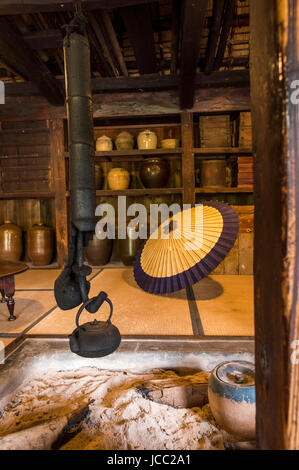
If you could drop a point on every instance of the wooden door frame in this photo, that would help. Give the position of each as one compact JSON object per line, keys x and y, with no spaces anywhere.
{"x":274,"y":67}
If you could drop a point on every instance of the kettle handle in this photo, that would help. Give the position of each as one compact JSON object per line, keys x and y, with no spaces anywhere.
{"x":83,"y":306}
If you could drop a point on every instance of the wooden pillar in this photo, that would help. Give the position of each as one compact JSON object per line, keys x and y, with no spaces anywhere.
{"x":275,"y":112}
{"x":188,"y":174}
{"x":59,"y":183}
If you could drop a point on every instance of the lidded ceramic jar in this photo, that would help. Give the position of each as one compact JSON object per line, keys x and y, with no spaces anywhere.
{"x":154,"y":172}
{"x":118,"y":179}
{"x":98,"y":252}
{"x":124,"y":141}
{"x":10,"y":242}
{"x":231,"y":392}
{"x":40,"y":244}
{"x":104,"y":143}
{"x":147,"y":140}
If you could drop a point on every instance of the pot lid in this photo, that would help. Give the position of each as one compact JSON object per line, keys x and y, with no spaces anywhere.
{"x":240,"y":373}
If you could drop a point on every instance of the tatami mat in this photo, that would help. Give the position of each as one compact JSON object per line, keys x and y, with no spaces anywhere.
{"x":29,"y":306}
{"x":135,"y":311}
{"x":225,"y":305}
{"x":35,"y":279}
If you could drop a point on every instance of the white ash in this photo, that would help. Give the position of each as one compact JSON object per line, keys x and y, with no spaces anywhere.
{"x":120,"y":417}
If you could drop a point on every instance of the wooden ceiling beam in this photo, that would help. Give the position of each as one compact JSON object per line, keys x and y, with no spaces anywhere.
{"x":141,"y":35}
{"x":194,"y":12}
{"x":229,"y":9}
{"x":214,"y":34}
{"x":114,"y":42}
{"x":19,"y":56}
{"x":21,"y":7}
{"x":46,"y":39}
{"x":238,"y":78}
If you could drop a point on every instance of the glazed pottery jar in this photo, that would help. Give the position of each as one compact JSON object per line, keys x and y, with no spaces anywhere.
{"x":124,"y":141}
{"x":147,"y":140}
{"x":170,"y":143}
{"x":98,"y":252}
{"x":154,"y":172}
{"x":118,"y":179}
{"x":10,"y":242}
{"x":99,"y":177}
{"x":231,"y":394}
{"x":129,"y":248}
{"x":103,"y":143}
{"x":40,"y":244}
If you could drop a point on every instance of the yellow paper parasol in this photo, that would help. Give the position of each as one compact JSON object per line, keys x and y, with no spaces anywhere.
{"x":186,"y":247}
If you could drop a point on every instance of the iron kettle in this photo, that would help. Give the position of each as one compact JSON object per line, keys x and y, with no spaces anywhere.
{"x":96,"y":338}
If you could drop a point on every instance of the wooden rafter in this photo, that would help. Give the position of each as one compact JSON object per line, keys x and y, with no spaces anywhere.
{"x":226,"y":26}
{"x":194,"y":12}
{"x":114,"y":41}
{"x":21,"y":7}
{"x":19,"y":56}
{"x":140,"y":31}
{"x":214,"y":34}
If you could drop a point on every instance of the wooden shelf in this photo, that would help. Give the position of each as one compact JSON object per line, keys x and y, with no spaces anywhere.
{"x":223,"y":151}
{"x":27,"y":195}
{"x":137,"y":192}
{"x":221,"y":189}
{"x":122,"y":154}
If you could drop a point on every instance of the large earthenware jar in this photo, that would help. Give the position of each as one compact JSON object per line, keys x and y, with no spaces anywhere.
{"x":154,"y":172}
{"x":231,"y":394}
{"x":129,"y":248}
{"x":118,"y":179}
{"x":99,"y":176}
{"x":98,"y":252}
{"x":124,"y":141}
{"x":10,"y":242}
{"x":104,"y":143}
{"x":147,"y":140}
{"x":40,"y":245}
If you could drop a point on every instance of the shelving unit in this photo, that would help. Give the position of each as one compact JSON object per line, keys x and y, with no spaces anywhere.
{"x":180,"y":126}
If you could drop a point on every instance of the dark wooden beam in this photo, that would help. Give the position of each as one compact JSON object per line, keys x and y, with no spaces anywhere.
{"x":114,"y":42}
{"x":175,"y":35}
{"x":214,"y":34}
{"x":230,"y":78}
{"x":21,"y":7}
{"x":136,"y":104}
{"x":229,"y":9}
{"x":139,"y":27}
{"x":46,"y":39}
{"x":194,"y":12}
{"x":275,"y":116}
{"x":18,"y":55}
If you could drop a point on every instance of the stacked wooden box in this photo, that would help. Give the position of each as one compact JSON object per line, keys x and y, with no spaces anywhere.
{"x":215,"y":131}
{"x":245,"y":171}
{"x":245,"y":130}
{"x":245,"y":164}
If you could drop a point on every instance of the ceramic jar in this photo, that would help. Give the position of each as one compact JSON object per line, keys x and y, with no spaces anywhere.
{"x":99,"y":177}
{"x":154,"y":172}
{"x":10,"y":242}
{"x":98,"y":252}
{"x":124,"y":141}
{"x":40,"y":245}
{"x":103,"y":143}
{"x":231,"y":392}
{"x":118,"y":179}
{"x":170,"y":143}
{"x":147,"y":140}
{"x":129,"y":248}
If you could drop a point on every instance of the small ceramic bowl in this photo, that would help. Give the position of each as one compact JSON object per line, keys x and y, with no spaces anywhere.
{"x":169,"y":143}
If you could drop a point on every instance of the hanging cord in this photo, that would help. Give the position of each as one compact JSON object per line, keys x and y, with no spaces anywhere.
{"x":78,"y":23}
